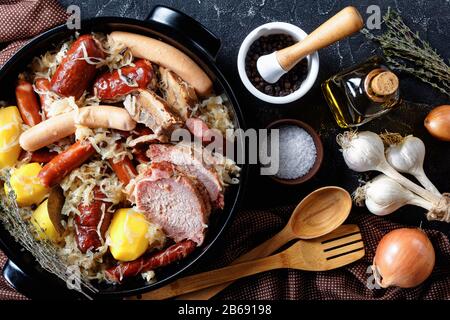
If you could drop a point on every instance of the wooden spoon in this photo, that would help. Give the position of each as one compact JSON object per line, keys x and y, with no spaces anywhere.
{"x":334,"y":250}
{"x":319,"y":213}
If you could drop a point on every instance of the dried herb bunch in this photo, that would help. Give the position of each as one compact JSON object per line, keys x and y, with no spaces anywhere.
{"x":16,"y":221}
{"x":405,"y":51}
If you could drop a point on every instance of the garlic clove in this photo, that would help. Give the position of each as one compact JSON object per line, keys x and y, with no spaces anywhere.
{"x":408,"y":157}
{"x":384,"y":192}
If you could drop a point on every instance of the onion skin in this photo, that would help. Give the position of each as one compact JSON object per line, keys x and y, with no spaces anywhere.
{"x":404,"y":258}
{"x":437,"y":122}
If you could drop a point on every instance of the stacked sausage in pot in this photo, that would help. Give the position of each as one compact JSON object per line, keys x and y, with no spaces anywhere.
{"x":92,"y":152}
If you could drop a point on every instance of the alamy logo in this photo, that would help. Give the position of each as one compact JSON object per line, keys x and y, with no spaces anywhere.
{"x":74,"y":19}
{"x":73,"y":281}
{"x":374,"y":19}
{"x":372,"y":282}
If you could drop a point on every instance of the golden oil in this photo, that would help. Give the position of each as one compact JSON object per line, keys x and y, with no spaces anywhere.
{"x":362,"y":93}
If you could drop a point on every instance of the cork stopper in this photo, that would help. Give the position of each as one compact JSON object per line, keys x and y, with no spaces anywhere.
{"x":384,"y":83}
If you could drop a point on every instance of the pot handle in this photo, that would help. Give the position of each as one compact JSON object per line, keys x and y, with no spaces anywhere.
{"x":19,"y":280}
{"x":33,"y":288}
{"x":188,"y":27}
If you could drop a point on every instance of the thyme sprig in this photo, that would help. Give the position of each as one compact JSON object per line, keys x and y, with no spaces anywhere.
{"x":405,"y":51}
{"x":16,"y":221}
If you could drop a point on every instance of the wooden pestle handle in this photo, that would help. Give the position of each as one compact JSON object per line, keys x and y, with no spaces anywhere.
{"x":263,"y":250}
{"x":344,"y":23}
{"x":215,"y":277}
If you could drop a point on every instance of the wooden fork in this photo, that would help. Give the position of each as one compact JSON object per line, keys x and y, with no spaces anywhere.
{"x":336,"y":249}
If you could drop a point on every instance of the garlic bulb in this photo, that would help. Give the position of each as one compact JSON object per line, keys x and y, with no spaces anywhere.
{"x":364,"y":151}
{"x":408,"y":157}
{"x":384,"y":196}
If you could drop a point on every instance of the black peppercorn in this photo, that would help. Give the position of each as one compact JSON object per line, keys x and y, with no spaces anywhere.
{"x":290,"y":81}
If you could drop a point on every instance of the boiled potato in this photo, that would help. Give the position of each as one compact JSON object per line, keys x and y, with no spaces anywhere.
{"x":44,"y":226}
{"x":131,"y":234}
{"x":26,"y":185}
{"x":10,"y":130}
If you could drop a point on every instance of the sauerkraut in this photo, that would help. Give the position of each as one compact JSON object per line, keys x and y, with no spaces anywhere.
{"x":61,"y":145}
{"x":117,"y":54}
{"x":215,"y":114}
{"x":105,"y":142}
{"x":78,"y":186}
{"x":91,"y":264}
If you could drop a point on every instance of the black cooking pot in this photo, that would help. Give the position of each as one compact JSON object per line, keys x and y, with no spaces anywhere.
{"x":179,"y":30}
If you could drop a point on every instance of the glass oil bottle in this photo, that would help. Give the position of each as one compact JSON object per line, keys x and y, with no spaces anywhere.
{"x":362,"y":93}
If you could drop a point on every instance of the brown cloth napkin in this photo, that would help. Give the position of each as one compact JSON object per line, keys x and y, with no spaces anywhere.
{"x":24,"y":19}
{"x":6,"y":292}
{"x":251,"y":228}
{"x":21,"y":20}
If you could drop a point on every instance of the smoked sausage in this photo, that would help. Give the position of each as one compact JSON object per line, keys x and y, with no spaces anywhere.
{"x":43,"y":86}
{"x":87,"y":224}
{"x":162,"y":258}
{"x":27,"y":103}
{"x":111,"y":86}
{"x":75,"y":74}
{"x":43,"y":155}
{"x":61,"y":165}
{"x":124,"y":169}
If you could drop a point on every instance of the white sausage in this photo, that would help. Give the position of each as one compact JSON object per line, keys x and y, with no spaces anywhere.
{"x":106,"y":117}
{"x":64,"y":125}
{"x":167,"y":56}
{"x":48,"y":132}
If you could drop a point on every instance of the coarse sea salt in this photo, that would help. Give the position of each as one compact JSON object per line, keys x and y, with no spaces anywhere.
{"x":297,"y":152}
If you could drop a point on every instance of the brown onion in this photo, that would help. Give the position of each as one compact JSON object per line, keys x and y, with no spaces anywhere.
{"x":404,"y":258}
{"x":437,"y":122}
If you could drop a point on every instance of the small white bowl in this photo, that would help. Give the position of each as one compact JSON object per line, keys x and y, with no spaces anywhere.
{"x":277,"y":28}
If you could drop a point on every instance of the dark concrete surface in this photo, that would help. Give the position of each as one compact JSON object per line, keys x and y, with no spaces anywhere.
{"x":232,"y":20}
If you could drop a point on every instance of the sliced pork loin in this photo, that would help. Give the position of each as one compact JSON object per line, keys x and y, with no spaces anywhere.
{"x":178,"y":93}
{"x":154,"y":112}
{"x":176,"y":202}
{"x":194,"y":161}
